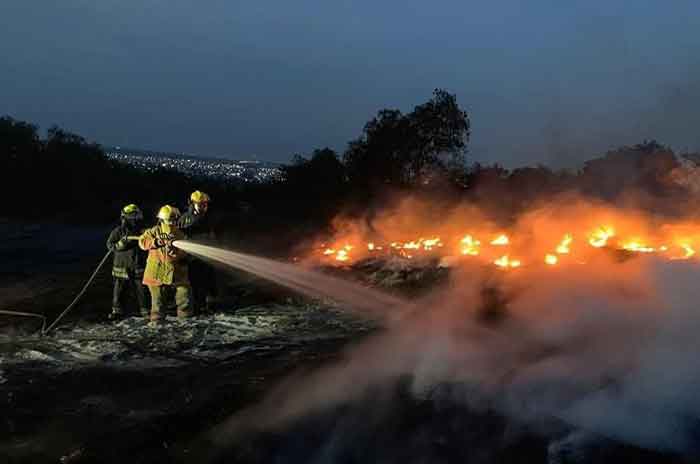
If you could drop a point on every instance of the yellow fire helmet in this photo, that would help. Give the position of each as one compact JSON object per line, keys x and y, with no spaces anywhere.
{"x":199,"y":197}
{"x":168,"y":214}
{"x":132,"y":211}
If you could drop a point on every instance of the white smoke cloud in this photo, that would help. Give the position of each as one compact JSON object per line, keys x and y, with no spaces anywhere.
{"x":610,"y":349}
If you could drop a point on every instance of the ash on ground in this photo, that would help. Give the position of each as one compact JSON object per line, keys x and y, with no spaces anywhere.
{"x":131,"y":343}
{"x":407,"y":277}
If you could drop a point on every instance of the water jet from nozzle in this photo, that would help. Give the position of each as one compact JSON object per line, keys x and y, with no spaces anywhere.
{"x":305,"y":281}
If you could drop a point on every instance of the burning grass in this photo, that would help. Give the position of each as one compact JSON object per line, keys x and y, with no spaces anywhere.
{"x":566,"y":231}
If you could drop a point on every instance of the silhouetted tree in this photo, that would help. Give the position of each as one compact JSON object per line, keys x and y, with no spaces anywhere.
{"x":315,"y":187}
{"x":398,"y":150}
{"x":530,"y":184}
{"x":20,"y":154}
{"x":17,"y":139}
{"x":378,"y":156}
{"x":441,"y":130}
{"x":479,"y":175}
{"x":644,"y":166}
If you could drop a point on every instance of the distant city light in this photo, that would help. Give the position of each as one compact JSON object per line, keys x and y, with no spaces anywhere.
{"x":243,"y":171}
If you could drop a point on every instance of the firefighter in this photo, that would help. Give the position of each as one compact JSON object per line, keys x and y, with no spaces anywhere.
{"x":166,"y":266}
{"x":129,"y":261}
{"x":196,"y":224}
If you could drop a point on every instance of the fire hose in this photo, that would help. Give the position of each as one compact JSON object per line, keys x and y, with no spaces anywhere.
{"x":85,"y":287}
{"x":45,"y":330}
{"x":79,"y":295}
{"x":23,"y":314}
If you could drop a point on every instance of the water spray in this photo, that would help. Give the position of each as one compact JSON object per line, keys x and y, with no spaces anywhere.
{"x":306,"y":281}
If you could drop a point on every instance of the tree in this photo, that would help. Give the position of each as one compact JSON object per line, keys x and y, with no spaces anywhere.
{"x":375,"y":158}
{"x":442,"y":131}
{"x":645,"y":167}
{"x":17,"y":138}
{"x":399,"y":150}
{"x":20,"y":147}
{"x":314,"y":188}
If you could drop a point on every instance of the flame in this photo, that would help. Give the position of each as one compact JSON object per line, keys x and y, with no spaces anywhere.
{"x":430,"y":243}
{"x":563,"y":247}
{"x":689,"y":252}
{"x":411,"y":245}
{"x":599,"y":237}
{"x":341,"y":254}
{"x":501,"y":240}
{"x":505,"y":262}
{"x":636,"y":246}
{"x":469,"y":246}
{"x":571,"y":238}
{"x":427,"y":244}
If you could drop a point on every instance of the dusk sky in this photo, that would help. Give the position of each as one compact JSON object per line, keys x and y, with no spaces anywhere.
{"x":555,"y":82}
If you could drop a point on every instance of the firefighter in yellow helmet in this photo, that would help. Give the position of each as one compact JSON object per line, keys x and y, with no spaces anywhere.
{"x":197,"y":225}
{"x":166,"y":266}
{"x":129,"y":261}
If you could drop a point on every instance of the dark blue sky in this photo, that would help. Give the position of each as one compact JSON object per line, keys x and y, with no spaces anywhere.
{"x":543,"y":81}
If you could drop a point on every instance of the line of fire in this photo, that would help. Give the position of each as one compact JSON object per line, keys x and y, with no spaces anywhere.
{"x":540,"y":238}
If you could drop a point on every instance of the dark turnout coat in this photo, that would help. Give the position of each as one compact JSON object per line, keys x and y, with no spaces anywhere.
{"x":196,"y":226}
{"x":129,"y":259}
{"x":202,"y":275}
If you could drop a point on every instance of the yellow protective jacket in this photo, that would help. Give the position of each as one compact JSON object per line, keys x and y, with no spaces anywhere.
{"x":165,"y":265}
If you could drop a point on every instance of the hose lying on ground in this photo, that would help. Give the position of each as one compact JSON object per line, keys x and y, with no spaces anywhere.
{"x":77,"y":298}
{"x":22,"y":314}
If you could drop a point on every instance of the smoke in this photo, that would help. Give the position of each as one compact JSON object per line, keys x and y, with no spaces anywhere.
{"x":604,"y":341}
{"x":610,"y":348}
{"x":687,"y":175}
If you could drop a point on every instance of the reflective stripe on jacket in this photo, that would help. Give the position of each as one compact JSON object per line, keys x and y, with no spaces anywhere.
{"x":129,"y":260}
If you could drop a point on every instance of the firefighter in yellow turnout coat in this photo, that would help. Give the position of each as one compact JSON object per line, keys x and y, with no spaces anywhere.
{"x":166,"y":266}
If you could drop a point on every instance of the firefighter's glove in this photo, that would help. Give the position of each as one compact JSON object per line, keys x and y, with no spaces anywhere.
{"x":122,"y":244}
{"x":163,"y":242}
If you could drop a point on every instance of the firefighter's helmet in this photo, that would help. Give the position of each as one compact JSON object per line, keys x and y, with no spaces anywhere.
{"x":131,"y":212}
{"x":199,"y":197}
{"x":168,"y":214}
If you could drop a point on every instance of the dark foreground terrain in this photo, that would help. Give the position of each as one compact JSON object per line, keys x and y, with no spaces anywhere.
{"x":99,"y":393}
{"x":94,"y":391}
{"x":104,"y":393}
